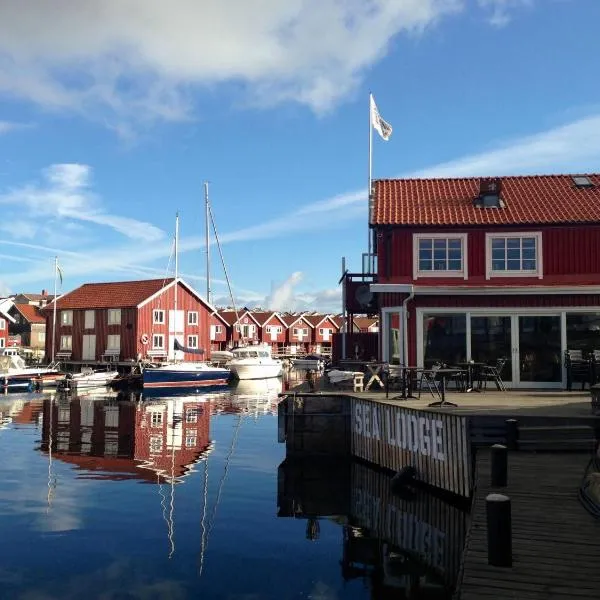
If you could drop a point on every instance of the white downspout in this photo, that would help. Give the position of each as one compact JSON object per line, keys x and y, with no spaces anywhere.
{"x":405,"y":302}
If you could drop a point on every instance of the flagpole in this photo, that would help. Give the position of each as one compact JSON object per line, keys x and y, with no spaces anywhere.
{"x":370,"y":179}
{"x":54,"y":311}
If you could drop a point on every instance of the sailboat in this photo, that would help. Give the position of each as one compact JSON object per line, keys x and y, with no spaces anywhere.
{"x":184,"y":374}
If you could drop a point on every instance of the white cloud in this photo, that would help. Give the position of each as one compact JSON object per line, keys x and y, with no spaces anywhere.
{"x":64,"y":194}
{"x":8,"y":126}
{"x":282,"y":295}
{"x":144,"y":59}
{"x":501,"y":10}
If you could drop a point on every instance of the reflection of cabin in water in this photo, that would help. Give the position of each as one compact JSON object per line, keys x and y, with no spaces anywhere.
{"x":152,"y":441}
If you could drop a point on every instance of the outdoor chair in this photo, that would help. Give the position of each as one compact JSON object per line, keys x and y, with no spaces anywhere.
{"x":494,"y":373}
{"x":428,"y":378}
{"x":579,"y":368}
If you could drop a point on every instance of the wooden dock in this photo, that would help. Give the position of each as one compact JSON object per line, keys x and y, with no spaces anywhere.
{"x":556,"y":543}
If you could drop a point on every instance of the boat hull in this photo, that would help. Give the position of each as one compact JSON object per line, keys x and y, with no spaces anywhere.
{"x":171,"y":378}
{"x":242,"y":371}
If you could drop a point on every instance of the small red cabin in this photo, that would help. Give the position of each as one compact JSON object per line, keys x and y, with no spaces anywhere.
{"x":273,"y":329}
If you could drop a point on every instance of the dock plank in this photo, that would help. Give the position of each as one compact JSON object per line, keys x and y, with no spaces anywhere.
{"x":556,"y":543}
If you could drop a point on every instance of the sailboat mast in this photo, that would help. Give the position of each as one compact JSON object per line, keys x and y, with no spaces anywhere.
{"x":207,"y":235}
{"x":176,"y":271}
{"x":54,"y":309}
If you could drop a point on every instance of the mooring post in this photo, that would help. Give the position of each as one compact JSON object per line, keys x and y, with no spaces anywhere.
{"x":499,"y":460}
{"x":512,"y":434}
{"x":499,"y":530}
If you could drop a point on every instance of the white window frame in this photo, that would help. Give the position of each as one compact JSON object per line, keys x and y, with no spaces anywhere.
{"x":158,"y":316}
{"x":192,"y":318}
{"x":192,"y":341}
{"x":161,"y":344}
{"x":66,"y":317}
{"x":191,"y":440}
{"x":114,"y":316}
{"x":463,"y":273}
{"x":156,"y":444}
{"x":218,"y":329}
{"x":2,"y":342}
{"x":156,"y":419}
{"x":191,"y":415}
{"x":64,"y":344}
{"x":3,"y":324}
{"x":110,"y":346}
{"x":539,"y":262}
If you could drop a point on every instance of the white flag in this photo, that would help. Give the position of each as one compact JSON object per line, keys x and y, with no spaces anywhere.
{"x":383,"y":128}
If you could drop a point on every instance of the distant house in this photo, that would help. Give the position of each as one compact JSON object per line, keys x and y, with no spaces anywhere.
{"x":5,"y":318}
{"x":365,"y":324}
{"x":129,"y":320}
{"x":273,"y":329}
{"x":241,"y":326}
{"x":324,"y":326}
{"x":29,"y":326}
{"x":299,"y":333}
{"x":218,"y":332}
{"x":34,"y":299}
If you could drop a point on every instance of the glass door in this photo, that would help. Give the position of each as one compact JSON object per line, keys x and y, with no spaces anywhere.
{"x":491,"y":339}
{"x":537,"y":350}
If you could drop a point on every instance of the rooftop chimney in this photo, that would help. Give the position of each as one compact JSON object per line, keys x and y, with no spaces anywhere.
{"x":44,"y":292}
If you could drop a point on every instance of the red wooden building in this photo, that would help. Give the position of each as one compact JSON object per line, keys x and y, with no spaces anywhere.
{"x":218,"y":332}
{"x":323,"y":328}
{"x":240,"y":326}
{"x":273,"y":329}
{"x":129,"y":320}
{"x":5,"y":318}
{"x":482,"y":269}
{"x":299,"y":333}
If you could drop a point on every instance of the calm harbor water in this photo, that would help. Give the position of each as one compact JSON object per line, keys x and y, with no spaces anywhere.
{"x":117,"y":496}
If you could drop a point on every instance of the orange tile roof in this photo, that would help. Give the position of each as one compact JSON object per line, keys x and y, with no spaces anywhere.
{"x":535,"y":199}
{"x":365,"y":322}
{"x":118,"y":294}
{"x":31,"y":313}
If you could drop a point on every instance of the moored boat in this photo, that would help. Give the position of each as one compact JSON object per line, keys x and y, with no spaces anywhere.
{"x":254,"y":362}
{"x":15,"y":374}
{"x":87,"y":379}
{"x":184,"y":374}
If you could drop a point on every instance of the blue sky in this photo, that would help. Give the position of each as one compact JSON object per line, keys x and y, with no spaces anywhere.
{"x":112,"y":118}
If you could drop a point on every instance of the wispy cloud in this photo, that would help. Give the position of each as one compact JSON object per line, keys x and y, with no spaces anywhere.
{"x":8,"y":126}
{"x":141,"y":60}
{"x":501,"y":11}
{"x":64,"y":194}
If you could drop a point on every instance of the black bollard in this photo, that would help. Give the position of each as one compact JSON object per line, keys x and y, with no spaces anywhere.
{"x":512,"y":434}
{"x":499,"y":459}
{"x":499,"y":530}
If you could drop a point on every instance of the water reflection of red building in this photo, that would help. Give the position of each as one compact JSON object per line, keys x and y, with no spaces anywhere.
{"x":116,"y":439}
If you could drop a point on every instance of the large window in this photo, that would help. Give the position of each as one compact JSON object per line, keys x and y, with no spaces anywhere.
{"x":583,"y":331}
{"x":158,"y":341}
{"x":114,"y":316}
{"x":114,"y":342}
{"x":158,"y":317}
{"x":518,"y":255}
{"x":66,"y":317}
{"x":439,"y":255}
{"x":192,"y":341}
{"x":192,"y":317}
{"x":444,"y":339}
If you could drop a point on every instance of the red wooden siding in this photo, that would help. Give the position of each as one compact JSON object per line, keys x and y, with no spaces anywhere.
{"x":265,"y":336}
{"x":3,"y":332}
{"x":318,"y":337}
{"x":570,"y":255}
{"x":186,"y":302}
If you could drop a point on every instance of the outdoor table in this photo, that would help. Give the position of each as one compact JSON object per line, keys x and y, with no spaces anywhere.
{"x":443,"y":373}
{"x":470,"y":367}
{"x":406,"y":380}
{"x":374,"y":370}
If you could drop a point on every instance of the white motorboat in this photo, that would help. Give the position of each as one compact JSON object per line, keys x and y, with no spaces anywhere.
{"x":15,"y":374}
{"x":310,"y":362}
{"x":87,"y":379}
{"x":254,"y":362}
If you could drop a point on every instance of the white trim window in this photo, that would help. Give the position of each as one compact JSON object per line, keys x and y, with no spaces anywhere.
{"x":218,"y":329}
{"x":514,"y":255}
{"x":66,"y":317}
{"x":300,"y":332}
{"x":439,"y":255}
{"x":113,"y":342}
{"x":192,"y":317}
{"x":2,"y":342}
{"x":66,"y":342}
{"x":158,"y":317}
{"x":156,"y":444}
{"x":158,"y":341}
{"x":2,"y":324}
{"x":191,"y":440}
{"x":89,"y":319}
{"x":114,"y":316}
{"x":274,"y":329}
{"x":191,"y":415}
{"x":156,"y":418}
{"x":192,"y":341}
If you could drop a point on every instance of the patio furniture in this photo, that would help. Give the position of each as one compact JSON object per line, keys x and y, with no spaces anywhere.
{"x":579,"y":368}
{"x":474,"y":370}
{"x":403,"y":375}
{"x":443,"y":373}
{"x":494,"y":373}
{"x":428,"y":377}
